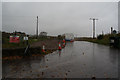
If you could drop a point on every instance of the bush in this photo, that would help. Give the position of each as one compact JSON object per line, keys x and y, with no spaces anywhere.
{"x":100,"y":37}
{"x":59,"y":37}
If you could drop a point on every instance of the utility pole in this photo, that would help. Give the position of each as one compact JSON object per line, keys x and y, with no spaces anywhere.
{"x":102,"y":32}
{"x":93,"y":26}
{"x":37,"y":29}
{"x":111,"y":30}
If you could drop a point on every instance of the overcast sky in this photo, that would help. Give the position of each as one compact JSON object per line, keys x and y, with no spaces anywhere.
{"x":60,"y":17}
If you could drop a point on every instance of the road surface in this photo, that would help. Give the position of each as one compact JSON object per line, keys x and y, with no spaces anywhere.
{"x":77,"y":60}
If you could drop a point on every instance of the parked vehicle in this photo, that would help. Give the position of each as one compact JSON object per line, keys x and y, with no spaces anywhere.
{"x":69,"y":37}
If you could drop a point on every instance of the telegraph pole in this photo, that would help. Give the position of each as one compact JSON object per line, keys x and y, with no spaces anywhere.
{"x":37,"y":29}
{"x":111,"y":30}
{"x":93,"y":26}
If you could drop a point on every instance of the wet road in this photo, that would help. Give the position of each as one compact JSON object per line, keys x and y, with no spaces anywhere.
{"x":77,"y":60}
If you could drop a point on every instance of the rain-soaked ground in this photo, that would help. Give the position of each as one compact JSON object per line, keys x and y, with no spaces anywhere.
{"x":77,"y":60}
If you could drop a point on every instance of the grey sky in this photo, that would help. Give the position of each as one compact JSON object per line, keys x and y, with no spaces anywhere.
{"x":60,"y":17}
{"x":60,"y":0}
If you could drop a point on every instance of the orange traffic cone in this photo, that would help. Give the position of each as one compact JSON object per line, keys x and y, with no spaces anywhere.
{"x":43,"y":48}
{"x":63,"y":42}
{"x":59,"y":46}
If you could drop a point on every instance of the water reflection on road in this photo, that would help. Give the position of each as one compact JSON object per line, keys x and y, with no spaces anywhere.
{"x":77,"y":60}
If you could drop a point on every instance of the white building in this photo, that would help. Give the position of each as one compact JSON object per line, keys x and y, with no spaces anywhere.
{"x":43,"y":34}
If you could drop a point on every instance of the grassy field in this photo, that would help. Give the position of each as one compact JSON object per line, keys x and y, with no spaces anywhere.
{"x":22,"y":43}
{"x":16,"y":45}
{"x":7,"y":44}
{"x":104,"y":40}
{"x":32,"y":39}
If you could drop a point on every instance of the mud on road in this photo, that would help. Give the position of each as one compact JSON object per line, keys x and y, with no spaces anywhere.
{"x":49,"y":44}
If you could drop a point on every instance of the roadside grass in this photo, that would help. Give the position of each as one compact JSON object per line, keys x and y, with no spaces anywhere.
{"x":104,"y":40}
